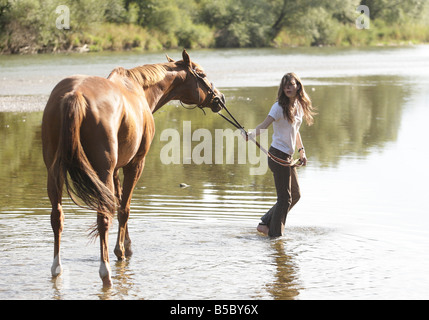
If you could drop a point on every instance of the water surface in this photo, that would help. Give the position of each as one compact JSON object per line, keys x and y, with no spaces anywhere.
{"x":360,"y":230}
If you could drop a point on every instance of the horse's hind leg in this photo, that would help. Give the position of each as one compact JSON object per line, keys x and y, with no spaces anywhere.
{"x":103,"y":224}
{"x":132,"y":173}
{"x":117,"y":183}
{"x":104,"y":221}
{"x":57,"y":221}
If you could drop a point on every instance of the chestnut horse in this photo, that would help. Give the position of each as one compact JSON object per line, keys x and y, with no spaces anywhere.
{"x":93,"y":126}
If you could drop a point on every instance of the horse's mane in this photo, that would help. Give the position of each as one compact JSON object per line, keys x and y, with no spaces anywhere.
{"x":148,"y":74}
{"x":145,"y":75}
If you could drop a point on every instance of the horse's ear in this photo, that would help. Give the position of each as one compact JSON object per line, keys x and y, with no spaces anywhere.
{"x":186,"y":58}
{"x":169,"y":59}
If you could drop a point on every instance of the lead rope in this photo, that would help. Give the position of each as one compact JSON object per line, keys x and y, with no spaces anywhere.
{"x":282,"y":162}
{"x":235,"y":123}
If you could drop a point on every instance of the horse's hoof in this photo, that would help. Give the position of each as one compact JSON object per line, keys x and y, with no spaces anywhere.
{"x":263,"y":229}
{"x":56,"y":268}
{"x":107,"y":282}
{"x":128,"y":252}
{"x":56,"y":271}
{"x":105,"y":274}
{"x":119,"y":253}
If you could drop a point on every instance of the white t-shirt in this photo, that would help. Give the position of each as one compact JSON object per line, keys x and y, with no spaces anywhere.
{"x":284,"y":136}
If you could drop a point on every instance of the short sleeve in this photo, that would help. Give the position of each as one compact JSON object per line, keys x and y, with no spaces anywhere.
{"x":276,"y":111}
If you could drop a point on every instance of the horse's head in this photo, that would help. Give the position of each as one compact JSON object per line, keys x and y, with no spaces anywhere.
{"x":197,"y":89}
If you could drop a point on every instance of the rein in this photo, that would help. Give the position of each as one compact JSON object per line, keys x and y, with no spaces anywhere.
{"x":280,"y":161}
{"x":214,"y":98}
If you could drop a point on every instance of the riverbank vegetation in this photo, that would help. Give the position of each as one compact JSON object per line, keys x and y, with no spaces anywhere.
{"x":30,"y":26}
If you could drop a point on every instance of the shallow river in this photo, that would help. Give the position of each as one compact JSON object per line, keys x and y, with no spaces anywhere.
{"x":360,"y":230}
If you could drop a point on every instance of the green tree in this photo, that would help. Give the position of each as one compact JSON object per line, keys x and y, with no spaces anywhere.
{"x":249,"y":23}
{"x":396,"y":11}
{"x":240,"y":23}
{"x":29,"y":25}
{"x":177,"y":20}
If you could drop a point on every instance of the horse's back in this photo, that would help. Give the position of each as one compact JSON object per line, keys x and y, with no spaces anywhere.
{"x":92,"y":88}
{"x":115,"y":119}
{"x":100,"y":102}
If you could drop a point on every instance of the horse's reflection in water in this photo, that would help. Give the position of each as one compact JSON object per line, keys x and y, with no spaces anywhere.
{"x":94,"y":126}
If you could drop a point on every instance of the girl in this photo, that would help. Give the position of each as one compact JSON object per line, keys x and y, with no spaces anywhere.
{"x":293,"y":104}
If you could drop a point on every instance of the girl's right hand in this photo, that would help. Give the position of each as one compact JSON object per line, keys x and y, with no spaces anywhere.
{"x":245,"y":135}
{"x":249,"y":135}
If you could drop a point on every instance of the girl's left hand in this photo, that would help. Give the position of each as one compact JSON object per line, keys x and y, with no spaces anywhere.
{"x":303,"y":157}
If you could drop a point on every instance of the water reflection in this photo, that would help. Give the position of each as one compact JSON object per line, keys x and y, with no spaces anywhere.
{"x":355,"y":114}
{"x":363,"y":113}
{"x":22,"y":172}
{"x":352,"y":119}
{"x":124,"y":280}
{"x":287,"y":282}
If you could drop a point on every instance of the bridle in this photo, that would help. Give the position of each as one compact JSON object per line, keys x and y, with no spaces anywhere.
{"x":212,"y":98}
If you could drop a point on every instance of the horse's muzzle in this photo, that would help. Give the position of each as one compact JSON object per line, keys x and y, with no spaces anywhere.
{"x":218,"y":102}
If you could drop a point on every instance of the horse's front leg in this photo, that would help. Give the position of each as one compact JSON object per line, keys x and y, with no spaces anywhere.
{"x":132,"y":173}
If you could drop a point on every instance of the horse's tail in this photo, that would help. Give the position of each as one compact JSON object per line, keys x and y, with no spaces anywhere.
{"x":71,"y":158}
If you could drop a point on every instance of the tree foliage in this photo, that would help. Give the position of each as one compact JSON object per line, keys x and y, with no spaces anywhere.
{"x":195,"y":23}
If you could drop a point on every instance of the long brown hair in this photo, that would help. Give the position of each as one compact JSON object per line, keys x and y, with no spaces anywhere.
{"x":302,"y":96}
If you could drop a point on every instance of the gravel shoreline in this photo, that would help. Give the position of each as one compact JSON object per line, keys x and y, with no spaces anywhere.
{"x":23,"y":103}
